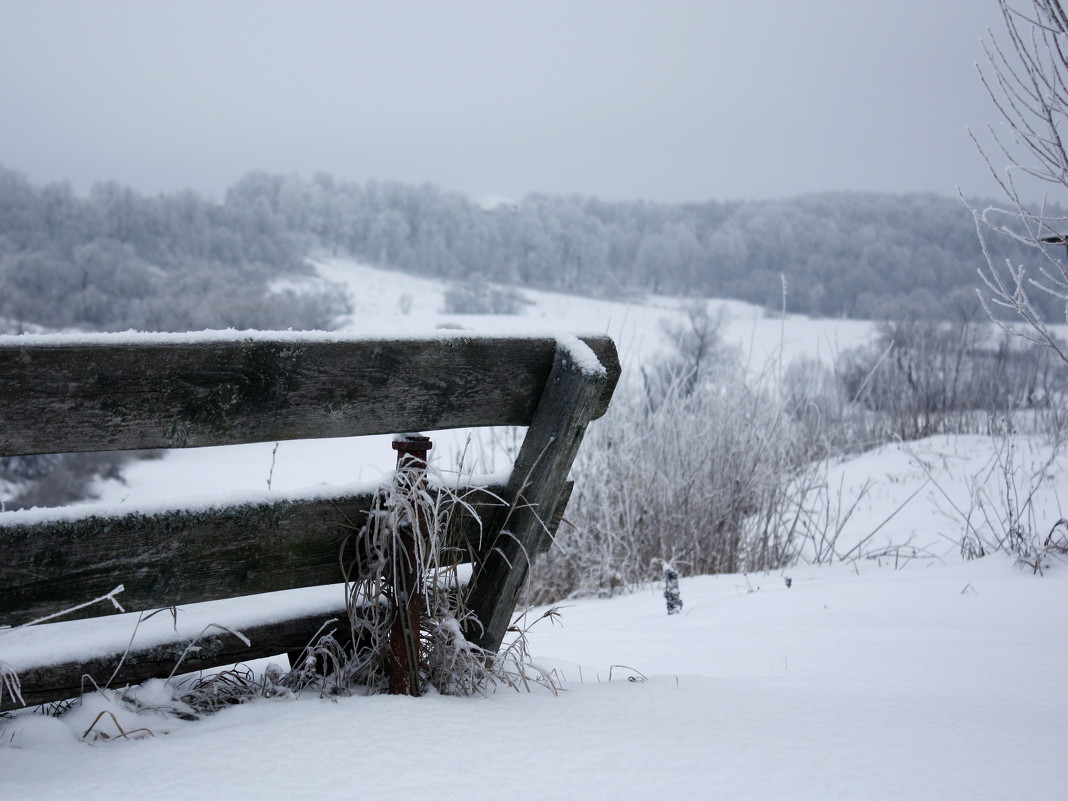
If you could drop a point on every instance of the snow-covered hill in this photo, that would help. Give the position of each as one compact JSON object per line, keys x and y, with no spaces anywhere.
{"x":378,"y":298}
{"x":903,"y":672}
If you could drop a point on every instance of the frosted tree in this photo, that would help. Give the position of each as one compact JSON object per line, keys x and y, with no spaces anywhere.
{"x":1026,"y":75}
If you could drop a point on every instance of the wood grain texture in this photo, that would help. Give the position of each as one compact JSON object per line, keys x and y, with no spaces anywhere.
{"x":190,"y":556}
{"x":131,"y":395}
{"x":45,"y":684}
{"x":534,"y":490}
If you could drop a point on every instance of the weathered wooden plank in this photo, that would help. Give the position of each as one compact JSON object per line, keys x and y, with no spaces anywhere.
{"x":102,"y":395}
{"x":45,"y":684}
{"x":537,"y":483}
{"x":186,"y":556}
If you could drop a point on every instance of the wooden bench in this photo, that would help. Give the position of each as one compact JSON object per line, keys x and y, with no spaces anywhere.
{"x":126,"y":392}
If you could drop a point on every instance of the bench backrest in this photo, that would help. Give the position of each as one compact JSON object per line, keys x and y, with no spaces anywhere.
{"x":124,"y":392}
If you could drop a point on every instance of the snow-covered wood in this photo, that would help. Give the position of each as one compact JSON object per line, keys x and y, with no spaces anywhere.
{"x":43,"y":684}
{"x":149,"y":391}
{"x":572,"y":395}
{"x":188,"y":556}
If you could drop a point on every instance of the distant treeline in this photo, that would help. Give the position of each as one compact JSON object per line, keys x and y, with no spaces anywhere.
{"x":842,"y":254}
{"x":118,"y":259}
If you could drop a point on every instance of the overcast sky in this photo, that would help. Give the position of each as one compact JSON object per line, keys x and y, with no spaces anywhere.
{"x":659,"y":100}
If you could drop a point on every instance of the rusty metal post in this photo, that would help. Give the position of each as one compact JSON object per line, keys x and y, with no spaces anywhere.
{"x":407,"y":584}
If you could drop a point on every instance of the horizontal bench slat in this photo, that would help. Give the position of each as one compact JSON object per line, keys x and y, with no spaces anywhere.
{"x":187,"y":556}
{"x":57,"y":682}
{"x":127,"y":394}
{"x":45,"y":684}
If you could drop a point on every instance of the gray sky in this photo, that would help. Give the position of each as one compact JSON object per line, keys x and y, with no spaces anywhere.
{"x":661,"y":100}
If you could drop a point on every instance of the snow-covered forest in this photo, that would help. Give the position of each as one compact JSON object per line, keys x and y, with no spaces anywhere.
{"x":116,"y":259}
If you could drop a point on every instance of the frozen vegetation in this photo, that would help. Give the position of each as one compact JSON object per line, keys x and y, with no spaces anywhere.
{"x":885,"y":619}
{"x":116,"y":259}
{"x":868,"y":518}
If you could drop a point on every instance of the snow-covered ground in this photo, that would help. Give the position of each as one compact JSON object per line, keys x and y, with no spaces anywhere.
{"x":912,"y":674}
{"x":855,"y":682}
{"x":920,"y":500}
{"x":378,"y":295}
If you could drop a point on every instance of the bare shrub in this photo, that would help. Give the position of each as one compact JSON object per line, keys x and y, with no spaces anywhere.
{"x":696,"y":347}
{"x":1027,"y":79}
{"x":926,"y":376}
{"x":57,"y":479}
{"x":689,"y":475}
{"x":828,"y":421}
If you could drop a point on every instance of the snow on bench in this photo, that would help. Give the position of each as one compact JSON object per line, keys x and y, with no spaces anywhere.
{"x":130,"y":391}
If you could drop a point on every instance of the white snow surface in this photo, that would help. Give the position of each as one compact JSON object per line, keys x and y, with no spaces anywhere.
{"x":945,"y":682}
{"x":915,"y":500}
{"x":905,"y":672}
{"x":582,"y":356}
{"x":635,"y":325}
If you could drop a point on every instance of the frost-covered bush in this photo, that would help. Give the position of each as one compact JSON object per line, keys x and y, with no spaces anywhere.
{"x":925,"y":377}
{"x":710,"y":468}
{"x":693,"y":475}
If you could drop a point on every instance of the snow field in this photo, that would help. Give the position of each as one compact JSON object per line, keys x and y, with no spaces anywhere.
{"x":935,"y":683}
{"x":904,"y":673}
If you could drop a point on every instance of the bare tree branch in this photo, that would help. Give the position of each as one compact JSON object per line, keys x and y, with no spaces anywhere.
{"x":1026,"y":76}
